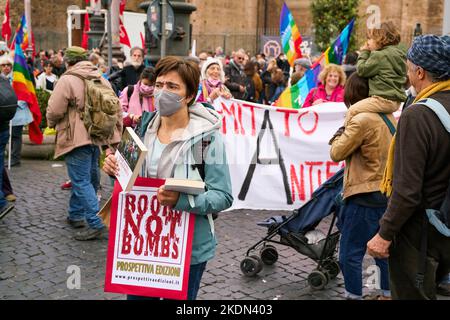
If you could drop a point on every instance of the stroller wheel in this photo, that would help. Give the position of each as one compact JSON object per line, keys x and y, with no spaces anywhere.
{"x":332,"y":267}
{"x":317,"y":280}
{"x":251,"y":265}
{"x":269,"y":255}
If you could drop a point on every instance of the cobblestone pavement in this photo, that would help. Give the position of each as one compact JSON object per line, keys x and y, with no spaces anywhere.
{"x":36,"y":248}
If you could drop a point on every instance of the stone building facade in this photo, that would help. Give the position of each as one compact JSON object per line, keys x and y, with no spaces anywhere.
{"x":237,"y":23}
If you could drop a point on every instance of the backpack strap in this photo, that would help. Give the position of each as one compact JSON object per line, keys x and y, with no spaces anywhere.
{"x":439,"y":110}
{"x":388,"y":123}
{"x":208,"y":105}
{"x":146,"y":117}
{"x":199,"y":151}
{"x":130,"y":90}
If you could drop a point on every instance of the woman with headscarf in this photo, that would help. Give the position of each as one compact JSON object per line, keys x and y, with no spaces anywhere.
{"x":212,"y":82}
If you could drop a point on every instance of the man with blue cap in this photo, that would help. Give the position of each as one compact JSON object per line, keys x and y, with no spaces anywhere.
{"x":417,"y":177}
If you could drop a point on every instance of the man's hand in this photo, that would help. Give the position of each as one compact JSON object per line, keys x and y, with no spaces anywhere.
{"x":167,"y":198}
{"x":378,"y":247}
{"x":110,"y":165}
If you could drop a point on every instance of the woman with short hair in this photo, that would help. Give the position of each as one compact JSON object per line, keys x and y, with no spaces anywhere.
{"x":330,"y":88}
{"x":47,"y":79}
{"x":179,"y":128}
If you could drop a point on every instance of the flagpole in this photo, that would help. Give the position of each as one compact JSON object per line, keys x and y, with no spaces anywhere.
{"x":30,"y":32}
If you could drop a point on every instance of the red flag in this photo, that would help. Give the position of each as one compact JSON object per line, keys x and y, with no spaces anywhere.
{"x":87,"y":27}
{"x":143,"y":41}
{"x":122,"y":31}
{"x":6,"y":25}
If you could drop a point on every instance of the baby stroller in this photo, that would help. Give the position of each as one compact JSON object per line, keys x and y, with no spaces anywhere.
{"x":298,"y":230}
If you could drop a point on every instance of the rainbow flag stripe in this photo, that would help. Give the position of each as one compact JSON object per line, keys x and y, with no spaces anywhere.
{"x":336,"y":52}
{"x":24,"y":89}
{"x":290,"y":36}
{"x":294,"y":96}
{"x":21,"y":36}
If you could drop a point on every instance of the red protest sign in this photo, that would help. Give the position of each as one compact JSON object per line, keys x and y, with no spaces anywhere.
{"x":149,"y":249}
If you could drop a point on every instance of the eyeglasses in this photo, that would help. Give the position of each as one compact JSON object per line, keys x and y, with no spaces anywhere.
{"x":240,"y":58}
{"x":6,"y":65}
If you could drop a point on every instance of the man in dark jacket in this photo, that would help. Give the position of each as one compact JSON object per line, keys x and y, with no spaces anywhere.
{"x":235,"y":77}
{"x":131,"y":73}
{"x":284,"y":65}
{"x":8,"y":108}
{"x":421,"y":173}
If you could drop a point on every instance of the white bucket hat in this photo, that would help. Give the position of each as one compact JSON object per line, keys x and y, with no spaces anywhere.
{"x":210,"y":61}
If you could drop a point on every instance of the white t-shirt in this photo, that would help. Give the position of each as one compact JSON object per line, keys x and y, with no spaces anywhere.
{"x":158,"y":149}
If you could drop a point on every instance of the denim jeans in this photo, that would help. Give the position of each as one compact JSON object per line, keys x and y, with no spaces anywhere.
{"x":195,"y":277}
{"x":4,"y":137}
{"x":358,"y":224}
{"x":83,"y":169}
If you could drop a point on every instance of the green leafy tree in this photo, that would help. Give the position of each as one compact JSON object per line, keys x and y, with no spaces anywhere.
{"x":330,"y":17}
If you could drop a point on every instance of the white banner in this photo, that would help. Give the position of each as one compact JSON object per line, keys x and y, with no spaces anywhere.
{"x":292,"y":159}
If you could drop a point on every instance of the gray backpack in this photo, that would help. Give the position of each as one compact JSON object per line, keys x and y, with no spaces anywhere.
{"x":440,"y":219}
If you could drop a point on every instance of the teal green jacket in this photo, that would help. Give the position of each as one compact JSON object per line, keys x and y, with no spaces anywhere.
{"x":178,"y":160}
{"x":218,"y":197}
{"x":386,"y":70}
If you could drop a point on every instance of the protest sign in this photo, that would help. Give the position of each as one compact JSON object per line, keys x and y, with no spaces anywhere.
{"x":150,"y":245}
{"x":279,"y":152}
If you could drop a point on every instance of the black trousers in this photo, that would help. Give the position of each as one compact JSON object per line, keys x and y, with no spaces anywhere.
{"x":404,"y":261}
{"x":16,"y":144}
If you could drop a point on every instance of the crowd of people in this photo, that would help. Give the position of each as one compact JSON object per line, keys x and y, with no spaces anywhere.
{"x":392,"y":174}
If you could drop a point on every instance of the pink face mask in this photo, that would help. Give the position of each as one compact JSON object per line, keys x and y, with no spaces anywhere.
{"x":214,"y":82}
{"x":146,"y":90}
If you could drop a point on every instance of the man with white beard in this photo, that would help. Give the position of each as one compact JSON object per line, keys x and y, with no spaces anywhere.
{"x":131,"y":72}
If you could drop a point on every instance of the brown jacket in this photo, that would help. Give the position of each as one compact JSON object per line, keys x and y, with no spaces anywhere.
{"x":421,"y":167}
{"x":71,"y":132}
{"x":364,"y":145}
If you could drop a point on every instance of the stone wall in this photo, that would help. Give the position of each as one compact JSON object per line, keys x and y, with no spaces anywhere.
{"x":48,"y":18}
{"x":234,"y":24}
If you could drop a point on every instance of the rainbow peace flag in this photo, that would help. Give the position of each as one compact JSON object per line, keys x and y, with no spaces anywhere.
{"x":294,"y":96}
{"x":290,"y":36}
{"x":24,"y":89}
{"x":336,"y":52}
{"x":22,"y":37}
